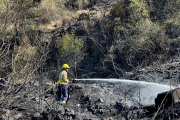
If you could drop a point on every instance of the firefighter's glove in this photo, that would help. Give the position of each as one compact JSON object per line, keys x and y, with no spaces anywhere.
{"x":72,"y":81}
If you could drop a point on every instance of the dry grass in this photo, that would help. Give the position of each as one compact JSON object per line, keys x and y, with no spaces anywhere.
{"x":54,"y":14}
{"x":51,"y":14}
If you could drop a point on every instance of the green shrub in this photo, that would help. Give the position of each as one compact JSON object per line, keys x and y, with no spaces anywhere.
{"x":172,"y":24}
{"x":4,"y":4}
{"x":70,"y":48}
{"x":139,"y":8}
{"x":136,"y":9}
{"x":69,"y":43}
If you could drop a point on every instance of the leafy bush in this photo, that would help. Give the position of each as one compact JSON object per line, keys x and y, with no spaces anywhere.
{"x":139,"y":8}
{"x":172,"y":24}
{"x":3,"y":4}
{"x":135,"y":10}
{"x":71,"y":48}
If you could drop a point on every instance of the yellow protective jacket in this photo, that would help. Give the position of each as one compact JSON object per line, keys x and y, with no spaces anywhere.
{"x":63,"y":78}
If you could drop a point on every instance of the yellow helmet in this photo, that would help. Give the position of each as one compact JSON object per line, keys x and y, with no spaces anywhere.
{"x":65,"y":66}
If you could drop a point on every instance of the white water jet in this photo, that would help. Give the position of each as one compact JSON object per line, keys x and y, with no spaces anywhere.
{"x":144,"y":92}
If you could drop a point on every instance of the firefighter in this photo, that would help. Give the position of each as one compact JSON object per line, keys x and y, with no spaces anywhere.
{"x":62,"y":87}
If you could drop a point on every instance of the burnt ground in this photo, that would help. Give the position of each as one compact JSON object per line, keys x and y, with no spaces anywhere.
{"x":87,"y":101}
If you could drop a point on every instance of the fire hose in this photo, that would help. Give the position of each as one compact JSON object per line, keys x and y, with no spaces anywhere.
{"x":71,"y":81}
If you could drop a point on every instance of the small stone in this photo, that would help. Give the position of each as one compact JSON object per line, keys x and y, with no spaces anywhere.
{"x":18,"y":115}
{"x":101,"y":100}
{"x":37,"y":114}
{"x":78,"y":105}
{"x":2,"y":80}
{"x":67,"y":110}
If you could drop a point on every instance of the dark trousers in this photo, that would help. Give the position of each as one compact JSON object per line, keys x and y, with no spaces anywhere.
{"x":62,"y":90}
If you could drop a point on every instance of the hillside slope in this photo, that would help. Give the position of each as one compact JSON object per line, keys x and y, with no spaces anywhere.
{"x":127,"y":39}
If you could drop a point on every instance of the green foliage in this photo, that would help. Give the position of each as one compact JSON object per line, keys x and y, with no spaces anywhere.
{"x":172,"y":23}
{"x":4,"y":4}
{"x":173,"y":10}
{"x":133,"y":12}
{"x":139,"y":7}
{"x":69,"y":43}
{"x":71,"y":49}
